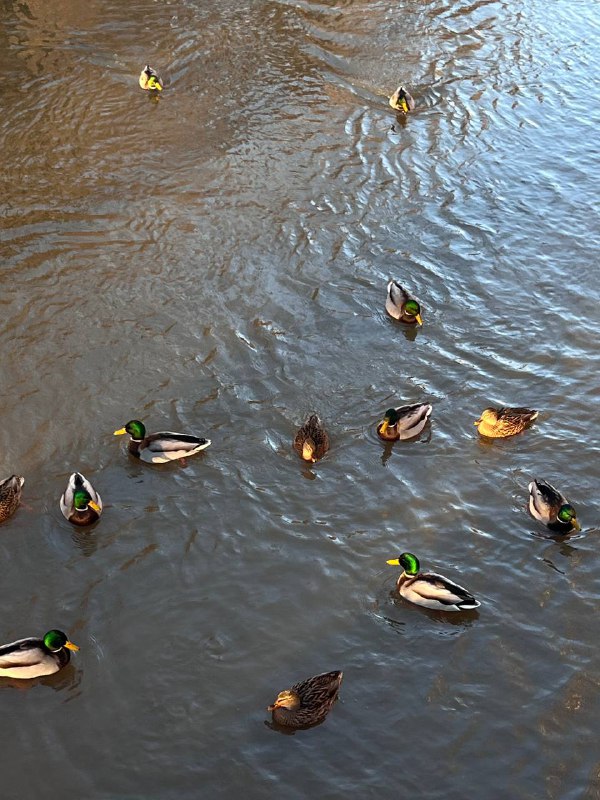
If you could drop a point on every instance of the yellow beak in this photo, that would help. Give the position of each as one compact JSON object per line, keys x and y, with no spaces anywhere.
{"x":575,"y":524}
{"x":71,"y":646}
{"x":419,"y":320}
{"x":95,"y":506}
{"x":384,"y":426}
{"x":395,"y":562}
{"x":119,"y":432}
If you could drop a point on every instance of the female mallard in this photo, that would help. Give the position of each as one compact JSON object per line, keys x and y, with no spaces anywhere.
{"x":401,"y":100}
{"x":161,"y":447}
{"x":308,"y":702}
{"x":500,"y":422}
{"x":401,"y":306}
{"x":552,"y":508}
{"x":32,"y":658}
{"x":403,"y":422}
{"x":80,"y":504}
{"x":312,"y":440}
{"x":150,"y":79}
{"x":10,"y":495}
{"x":430,"y":590}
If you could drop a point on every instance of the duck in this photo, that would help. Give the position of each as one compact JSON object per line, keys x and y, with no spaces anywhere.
{"x":33,"y":658}
{"x":312,"y":440}
{"x":80,"y":504}
{"x":500,"y":422}
{"x":401,"y":306}
{"x":403,"y":422}
{"x":401,"y":100}
{"x":308,"y":702}
{"x":150,"y":79}
{"x":161,"y":447}
{"x":10,"y":495}
{"x":552,"y":508}
{"x":430,"y":590}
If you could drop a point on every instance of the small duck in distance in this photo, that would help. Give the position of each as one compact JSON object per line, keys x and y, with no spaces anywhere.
{"x":10,"y":495}
{"x":551,"y":507}
{"x":401,"y":100}
{"x":312,"y":440}
{"x":150,"y":79}
{"x":497,"y":423}
{"x":430,"y":590}
{"x":80,"y":504}
{"x":161,"y":447}
{"x":401,"y":306}
{"x":404,"y":422}
{"x":308,"y":702}
{"x":34,"y":658}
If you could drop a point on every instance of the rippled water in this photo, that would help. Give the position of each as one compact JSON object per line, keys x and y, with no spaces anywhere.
{"x":216,"y":261}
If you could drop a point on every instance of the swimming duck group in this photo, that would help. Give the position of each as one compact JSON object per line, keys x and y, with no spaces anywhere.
{"x":307,"y":702}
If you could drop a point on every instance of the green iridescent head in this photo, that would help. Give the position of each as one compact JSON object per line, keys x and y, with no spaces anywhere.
{"x":81,"y":499}
{"x":412,"y":308}
{"x":566,"y":513}
{"x":135,"y":428}
{"x":55,"y":640}
{"x":391,"y":416}
{"x":408,"y":562}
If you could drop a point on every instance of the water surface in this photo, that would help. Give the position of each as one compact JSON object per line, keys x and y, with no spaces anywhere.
{"x":216,"y":261}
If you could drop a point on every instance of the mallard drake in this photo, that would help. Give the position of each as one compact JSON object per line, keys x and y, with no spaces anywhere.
{"x":32,"y":658}
{"x":401,"y":100}
{"x":80,"y":504}
{"x":403,"y":422}
{"x":308,"y":702}
{"x":10,"y":495}
{"x":150,"y":79}
{"x":401,"y":306}
{"x":552,"y":508}
{"x":499,"y":422}
{"x":312,"y":440}
{"x":430,"y":590}
{"x":161,"y":447}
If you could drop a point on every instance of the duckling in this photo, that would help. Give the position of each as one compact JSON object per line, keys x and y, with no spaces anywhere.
{"x":552,"y":508}
{"x":150,"y":79}
{"x":401,"y":100}
{"x":161,"y":447}
{"x":430,"y":590}
{"x":500,"y":422}
{"x":308,"y":702}
{"x":10,"y":495}
{"x":401,"y":306}
{"x":33,"y":658}
{"x":312,"y":440}
{"x":80,"y":504}
{"x":403,"y":422}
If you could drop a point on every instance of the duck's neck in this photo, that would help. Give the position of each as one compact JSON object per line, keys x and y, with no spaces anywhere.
{"x":403,"y":578}
{"x":134,"y":447}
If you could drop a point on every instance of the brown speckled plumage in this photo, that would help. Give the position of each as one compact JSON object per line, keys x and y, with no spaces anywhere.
{"x":501,"y":422}
{"x":308,"y":702}
{"x":313,"y":434}
{"x":10,"y":496}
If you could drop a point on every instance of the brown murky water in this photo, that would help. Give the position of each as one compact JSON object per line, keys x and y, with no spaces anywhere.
{"x":216,"y":261}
